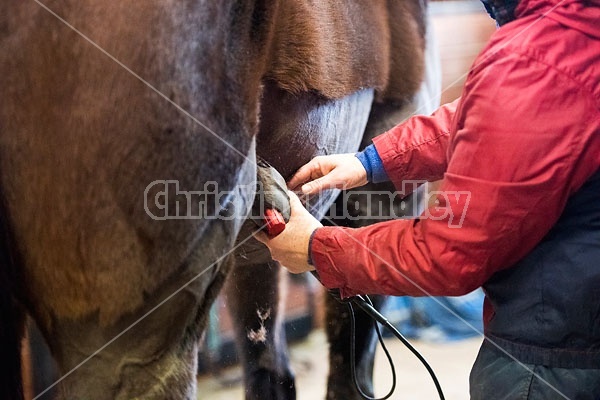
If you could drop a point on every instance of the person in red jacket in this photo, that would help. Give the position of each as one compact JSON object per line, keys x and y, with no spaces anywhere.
{"x":518,"y":212}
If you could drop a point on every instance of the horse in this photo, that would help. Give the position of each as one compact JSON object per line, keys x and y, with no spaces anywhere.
{"x":113,"y":113}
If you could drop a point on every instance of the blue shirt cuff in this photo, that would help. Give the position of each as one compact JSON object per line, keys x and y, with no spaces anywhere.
{"x":373,"y":164}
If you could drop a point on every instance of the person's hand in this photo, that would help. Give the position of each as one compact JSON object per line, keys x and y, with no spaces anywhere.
{"x":290,"y":247}
{"x":339,"y":171}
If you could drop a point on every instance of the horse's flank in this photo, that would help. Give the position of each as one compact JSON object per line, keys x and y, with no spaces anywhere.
{"x":81,"y":138}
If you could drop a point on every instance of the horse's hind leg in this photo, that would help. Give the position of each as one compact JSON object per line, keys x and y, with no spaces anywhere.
{"x":339,"y":386}
{"x":253,"y":302}
{"x":12,"y":317}
{"x":11,"y":328}
{"x":152,"y":357}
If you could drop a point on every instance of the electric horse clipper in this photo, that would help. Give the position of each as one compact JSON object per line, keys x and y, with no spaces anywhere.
{"x":271,"y":202}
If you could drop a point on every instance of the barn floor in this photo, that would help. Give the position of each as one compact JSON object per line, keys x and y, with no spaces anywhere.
{"x":450,"y":361}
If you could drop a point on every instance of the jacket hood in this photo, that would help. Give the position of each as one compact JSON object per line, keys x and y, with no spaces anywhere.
{"x":582,"y":15}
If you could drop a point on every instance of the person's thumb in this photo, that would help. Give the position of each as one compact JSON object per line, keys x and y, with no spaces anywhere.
{"x":294,"y":200}
{"x":325,"y":182}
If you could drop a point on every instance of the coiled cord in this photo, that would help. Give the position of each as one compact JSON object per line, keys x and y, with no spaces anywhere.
{"x":365,"y":304}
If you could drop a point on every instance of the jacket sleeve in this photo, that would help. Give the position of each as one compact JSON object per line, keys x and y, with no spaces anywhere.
{"x":514,"y":160}
{"x":416,"y":149}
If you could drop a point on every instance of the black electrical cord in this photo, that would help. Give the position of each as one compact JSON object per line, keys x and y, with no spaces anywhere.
{"x":367,"y":307}
{"x":365,"y":304}
{"x":353,"y":357}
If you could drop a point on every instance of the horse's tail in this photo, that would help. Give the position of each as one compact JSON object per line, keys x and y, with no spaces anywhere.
{"x":11,"y":314}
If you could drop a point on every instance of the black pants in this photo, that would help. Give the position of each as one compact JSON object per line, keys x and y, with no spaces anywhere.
{"x":496,"y":376}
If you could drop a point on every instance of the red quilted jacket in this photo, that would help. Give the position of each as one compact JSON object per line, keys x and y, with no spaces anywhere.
{"x":524,"y":136}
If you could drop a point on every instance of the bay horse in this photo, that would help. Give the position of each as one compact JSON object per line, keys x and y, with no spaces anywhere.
{"x":101,"y":99}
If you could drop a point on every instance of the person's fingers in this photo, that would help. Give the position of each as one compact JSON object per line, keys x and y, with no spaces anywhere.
{"x":315,"y":186}
{"x":333,"y":179}
{"x":328,"y":172}
{"x":303,"y":175}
